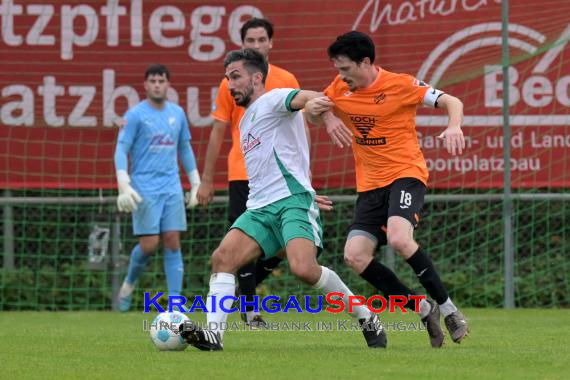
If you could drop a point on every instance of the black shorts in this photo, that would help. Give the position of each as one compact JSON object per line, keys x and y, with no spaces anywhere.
{"x":238,"y":192}
{"x":404,"y":197}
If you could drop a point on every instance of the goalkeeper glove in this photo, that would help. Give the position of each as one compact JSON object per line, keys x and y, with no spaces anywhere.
{"x":191,"y":197}
{"x":128,"y":197}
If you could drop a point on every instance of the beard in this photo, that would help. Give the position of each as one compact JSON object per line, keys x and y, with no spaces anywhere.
{"x":157,"y":100}
{"x":245,"y":97}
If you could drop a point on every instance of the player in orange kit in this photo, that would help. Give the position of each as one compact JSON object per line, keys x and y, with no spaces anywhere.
{"x":379,"y":108}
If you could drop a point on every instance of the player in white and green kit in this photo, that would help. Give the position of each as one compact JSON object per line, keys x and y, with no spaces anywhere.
{"x":281,"y":209}
{"x":281,"y":204}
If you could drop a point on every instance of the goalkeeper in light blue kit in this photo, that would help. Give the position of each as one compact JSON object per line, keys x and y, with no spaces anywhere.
{"x":154,"y":133}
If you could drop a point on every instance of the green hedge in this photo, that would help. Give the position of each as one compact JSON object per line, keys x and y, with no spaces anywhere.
{"x":464,"y":239}
{"x":73,"y":287}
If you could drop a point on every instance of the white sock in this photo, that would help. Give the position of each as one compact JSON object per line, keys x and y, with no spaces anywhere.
{"x":447,"y":307}
{"x":221,"y":285}
{"x":330,"y":282}
{"x":425,"y":308}
{"x":126,"y":289}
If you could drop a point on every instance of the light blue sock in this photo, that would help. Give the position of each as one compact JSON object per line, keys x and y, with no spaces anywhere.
{"x":137,"y":263}
{"x":174,"y":269}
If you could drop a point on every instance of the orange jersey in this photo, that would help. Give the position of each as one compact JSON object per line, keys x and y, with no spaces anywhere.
{"x":227,"y":110}
{"x":382,"y":119}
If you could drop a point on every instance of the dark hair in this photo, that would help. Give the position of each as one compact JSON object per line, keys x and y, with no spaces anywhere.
{"x":156,"y":69}
{"x":257,"y":23}
{"x":253,"y":61}
{"x":355,"y":45}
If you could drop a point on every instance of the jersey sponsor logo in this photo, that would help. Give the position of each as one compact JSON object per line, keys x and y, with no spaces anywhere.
{"x":250,"y":144}
{"x":364,"y":124}
{"x":161,"y":141}
{"x":371,"y":141}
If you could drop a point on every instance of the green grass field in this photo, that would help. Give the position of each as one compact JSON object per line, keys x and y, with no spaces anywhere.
{"x":518,"y":344}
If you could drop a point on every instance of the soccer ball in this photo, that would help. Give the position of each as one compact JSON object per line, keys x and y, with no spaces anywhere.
{"x":164,"y":331}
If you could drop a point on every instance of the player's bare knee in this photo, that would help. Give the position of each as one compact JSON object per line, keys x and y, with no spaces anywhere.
{"x":356,"y":259}
{"x":402,"y":246}
{"x":149,"y":251}
{"x":171,"y":240}
{"x":306,"y":273}
{"x":351,"y":257}
{"x":219,"y":259}
{"x":223,"y":260}
{"x":401,"y":242}
{"x":149,"y":245}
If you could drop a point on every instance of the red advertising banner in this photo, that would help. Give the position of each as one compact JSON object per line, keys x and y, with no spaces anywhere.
{"x":70,"y":69}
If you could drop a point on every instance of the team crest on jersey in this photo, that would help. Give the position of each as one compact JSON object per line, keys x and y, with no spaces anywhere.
{"x":380,"y":98}
{"x":249,"y":144}
{"x":172,"y":121}
{"x":348,"y":93}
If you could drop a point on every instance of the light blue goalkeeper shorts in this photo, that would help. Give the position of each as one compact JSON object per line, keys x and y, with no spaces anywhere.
{"x":159,"y":213}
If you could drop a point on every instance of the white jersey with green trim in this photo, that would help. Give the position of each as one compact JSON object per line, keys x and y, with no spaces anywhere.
{"x":275,"y":147}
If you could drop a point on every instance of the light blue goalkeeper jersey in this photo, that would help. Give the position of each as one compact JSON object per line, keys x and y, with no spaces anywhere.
{"x":153,"y":137}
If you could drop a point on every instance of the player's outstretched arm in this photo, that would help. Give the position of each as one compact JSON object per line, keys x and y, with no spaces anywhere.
{"x":319,"y":110}
{"x":128,"y":198}
{"x":315,"y":107}
{"x":453,"y":135}
{"x":302,"y":97}
{"x":206,"y":188}
{"x":338,"y":132}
